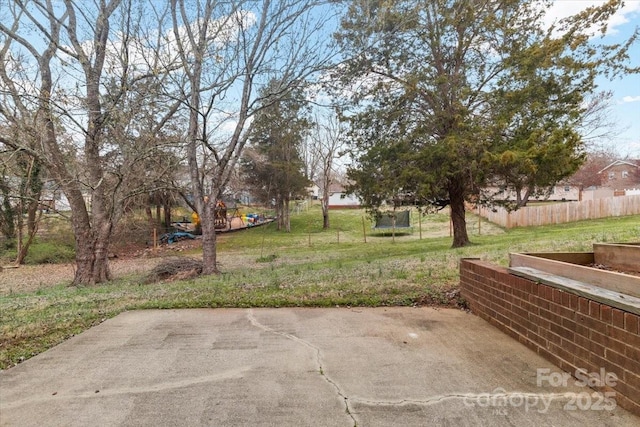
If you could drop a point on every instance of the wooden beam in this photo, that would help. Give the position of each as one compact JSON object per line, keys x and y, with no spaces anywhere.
{"x":618,"y":256}
{"x":617,"y":282}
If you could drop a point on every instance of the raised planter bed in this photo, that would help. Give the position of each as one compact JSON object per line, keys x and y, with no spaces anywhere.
{"x":618,"y":256}
{"x":608,"y":274}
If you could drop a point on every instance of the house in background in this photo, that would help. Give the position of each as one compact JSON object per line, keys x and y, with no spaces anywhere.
{"x":620,"y":175}
{"x":339,"y":199}
{"x":561,"y":192}
{"x":313,"y":191}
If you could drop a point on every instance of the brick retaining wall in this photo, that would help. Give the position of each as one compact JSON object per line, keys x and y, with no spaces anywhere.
{"x":571,"y":331}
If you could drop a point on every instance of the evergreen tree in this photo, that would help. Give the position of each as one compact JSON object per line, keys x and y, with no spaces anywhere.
{"x":274,"y":167}
{"x":450,"y":95}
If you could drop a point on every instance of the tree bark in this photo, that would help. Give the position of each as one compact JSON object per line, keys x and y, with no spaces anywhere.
{"x":456,"y":203}
{"x":287,"y":217}
{"x":167,"y":216}
{"x":32,"y":228}
{"x":325,"y":191}
{"x":209,"y":238}
{"x":92,"y":255}
{"x":325,"y":216}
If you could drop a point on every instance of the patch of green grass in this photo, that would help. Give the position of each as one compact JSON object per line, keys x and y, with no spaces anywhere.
{"x":331,"y":270}
{"x":44,"y":252}
{"x":267,"y":258}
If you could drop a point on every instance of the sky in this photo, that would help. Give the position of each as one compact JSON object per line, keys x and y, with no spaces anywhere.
{"x":625,"y":108}
{"x":625,"y":104}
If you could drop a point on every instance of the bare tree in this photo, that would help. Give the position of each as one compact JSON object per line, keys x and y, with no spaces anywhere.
{"x":230,"y":51}
{"x":587,"y":175}
{"x":86,"y":66}
{"x":21,"y":182}
{"x":327,"y":139}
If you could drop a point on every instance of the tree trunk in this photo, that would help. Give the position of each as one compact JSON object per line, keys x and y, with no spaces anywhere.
{"x":152,"y":224}
{"x":209,"y":254}
{"x":32,"y":229}
{"x":456,"y":202}
{"x":92,"y":257}
{"x":167,"y":217}
{"x":325,"y":217}
{"x":280,"y":213}
{"x":325,"y":208}
{"x":287,"y":217}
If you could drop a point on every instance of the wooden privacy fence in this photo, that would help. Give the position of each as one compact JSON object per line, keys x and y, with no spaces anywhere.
{"x":563,"y":212}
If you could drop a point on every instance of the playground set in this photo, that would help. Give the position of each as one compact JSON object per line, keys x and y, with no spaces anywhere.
{"x":227,"y":217}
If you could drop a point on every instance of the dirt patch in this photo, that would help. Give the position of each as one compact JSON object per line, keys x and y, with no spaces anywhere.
{"x":608,"y":268}
{"x":126,"y":260}
{"x":30,"y":278}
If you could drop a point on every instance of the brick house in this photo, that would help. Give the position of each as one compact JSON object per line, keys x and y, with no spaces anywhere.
{"x":620,"y":175}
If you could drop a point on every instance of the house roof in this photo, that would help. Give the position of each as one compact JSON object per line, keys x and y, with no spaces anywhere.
{"x":618,"y":163}
{"x":336,"y":188}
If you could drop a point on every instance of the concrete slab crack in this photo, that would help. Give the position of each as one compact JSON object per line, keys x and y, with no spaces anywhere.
{"x":318,"y":358}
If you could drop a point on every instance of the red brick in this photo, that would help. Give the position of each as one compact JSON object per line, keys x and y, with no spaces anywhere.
{"x":502,"y":319}
{"x":617,"y":318}
{"x":622,"y":361}
{"x":549,"y":336}
{"x":534,"y":337}
{"x":526,"y":305}
{"x":563,"y":332}
{"x":569,"y":324}
{"x":548,"y":293}
{"x":582,"y":330}
{"x":632,"y":379}
{"x":605,"y":313}
{"x":594,"y":309}
{"x":573,"y":301}
{"x":630,"y":405}
{"x":625,"y":336}
{"x":550,"y":356}
{"x":631,"y":323}
{"x":593,"y":346}
{"x":557,"y":296}
{"x":542,"y":323}
{"x":628,"y":391}
{"x":543,"y":303}
{"x":552,"y":317}
{"x":608,"y":365}
{"x":632,"y":353}
{"x":565,"y":299}
{"x":562,"y":311}
{"x":527,"y":342}
{"x":519,"y":328}
{"x":599,"y":338}
{"x":582,"y":341}
{"x":513,"y":334}
{"x":521,"y":312}
{"x":562,"y":352}
{"x":534,"y":288}
{"x":595,"y":324}
{"x":583,"y":305}
{"x":578,"y":352}
{"x":530,"y":326}
{"x":509,"y":298}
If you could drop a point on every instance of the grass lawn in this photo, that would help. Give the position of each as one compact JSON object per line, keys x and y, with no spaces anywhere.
{"x":308,"y":267}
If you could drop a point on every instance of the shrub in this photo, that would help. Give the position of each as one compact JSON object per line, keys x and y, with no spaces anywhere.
{"x":50,"y":253}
